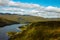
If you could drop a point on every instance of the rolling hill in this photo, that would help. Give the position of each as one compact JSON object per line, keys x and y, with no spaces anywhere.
{"x":24,"y":18}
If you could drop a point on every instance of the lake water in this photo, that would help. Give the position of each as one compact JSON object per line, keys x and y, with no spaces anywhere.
{"x":10,"y":28}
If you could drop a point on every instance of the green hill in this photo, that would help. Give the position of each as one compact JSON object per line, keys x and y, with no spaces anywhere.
{"x":5,"y":22}
{"x":48,"y":30}
{"x":14,"y":19}
{"x":25,"y":18}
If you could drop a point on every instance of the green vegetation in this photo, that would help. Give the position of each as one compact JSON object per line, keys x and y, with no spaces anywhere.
{"x":10,"y":17}
{"x":38,"y":29}
{"x":26,"y":19}
{"x":8,"y":20}
{"x":14,"y":19}
{"x":47,"y":30}
{"x":5,"y":22}
{"x":20,"y":18}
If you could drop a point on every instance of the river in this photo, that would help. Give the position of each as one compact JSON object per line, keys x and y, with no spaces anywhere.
{"x":10,"y":28}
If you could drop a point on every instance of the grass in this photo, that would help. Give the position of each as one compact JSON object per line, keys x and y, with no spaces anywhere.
{"x":20,"y":18}
{"x":38,"y":29}
{"x":5,"y":22}
{"x":48,"y":30}
{"x":26,"y":19}
{"x":10,"y":19}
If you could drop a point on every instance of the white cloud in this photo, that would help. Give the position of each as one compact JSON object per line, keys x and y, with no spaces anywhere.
{"x":30,"y":9}
{"x":4,"y":2}
{"x":13,"y":9}
{"x":23,"y":5}
{"x":52,"y":9}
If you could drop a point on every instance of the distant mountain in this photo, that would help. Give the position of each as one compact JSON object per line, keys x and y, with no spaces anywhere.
{"x":5,"y":14}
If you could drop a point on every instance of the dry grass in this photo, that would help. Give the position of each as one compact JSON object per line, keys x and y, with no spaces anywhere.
{"x":9,"y":17}
{"x":40,"y":31}
{"x":27,"y":18}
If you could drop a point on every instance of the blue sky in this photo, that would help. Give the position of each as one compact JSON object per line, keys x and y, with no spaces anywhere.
{"x":55,"y":3}
{"x":43,"y":8}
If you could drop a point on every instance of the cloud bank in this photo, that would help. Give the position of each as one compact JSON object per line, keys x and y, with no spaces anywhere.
{"x":29,"y":9}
